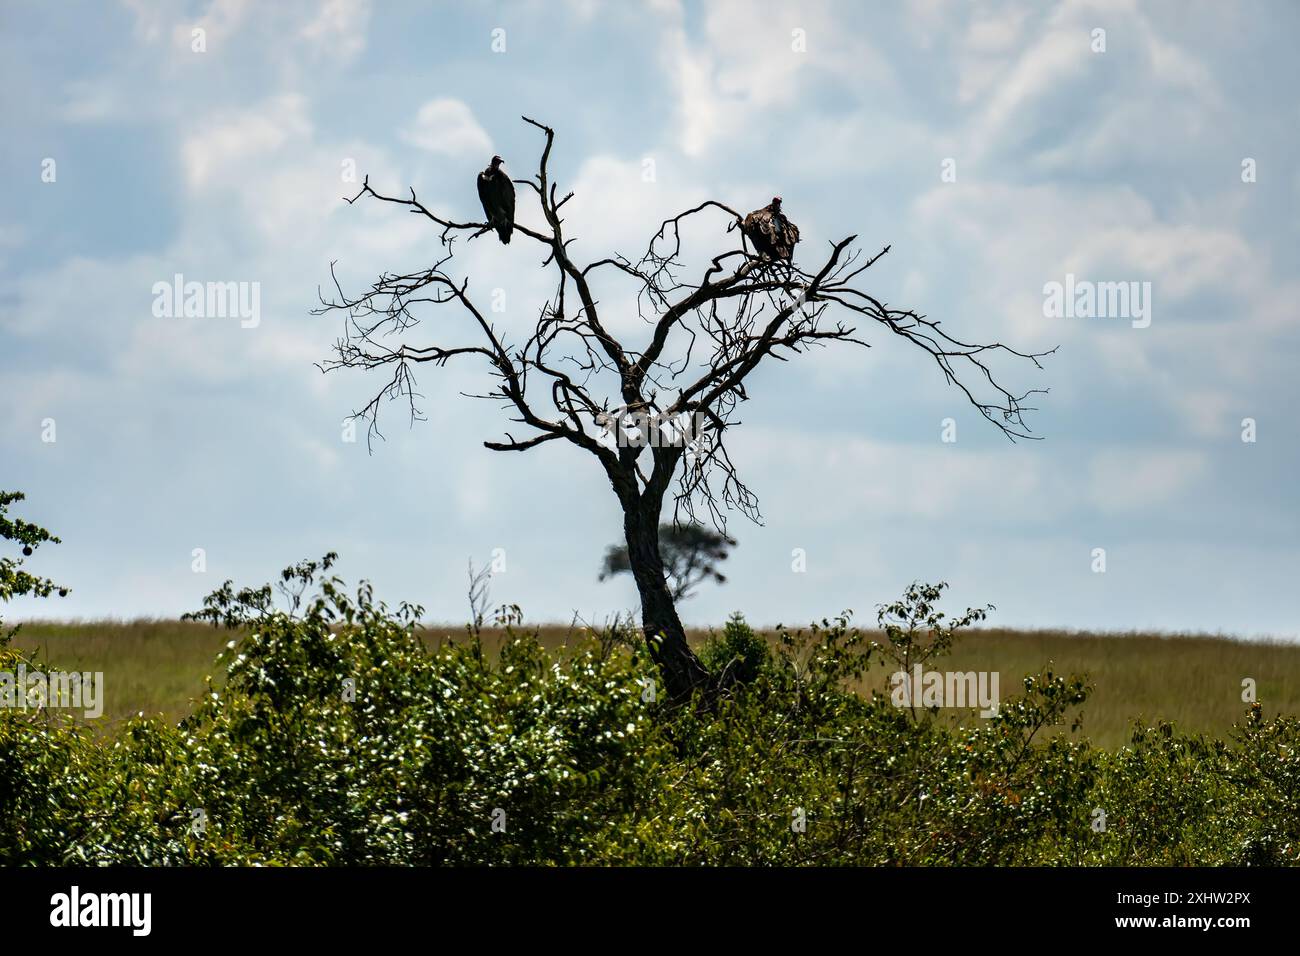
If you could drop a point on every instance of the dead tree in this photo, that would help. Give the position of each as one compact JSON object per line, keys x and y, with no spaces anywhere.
{"x":661,"y":412}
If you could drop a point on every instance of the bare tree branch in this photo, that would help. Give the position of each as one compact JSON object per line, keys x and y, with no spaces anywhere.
{"x":713,"y":319}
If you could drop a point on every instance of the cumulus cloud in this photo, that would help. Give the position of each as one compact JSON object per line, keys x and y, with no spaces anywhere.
{"x":220,"y":145}
{"x":222,"y":20}
{"x":1210,"y":282}
{"x":447,"y":126}
{"x":339,"y":30}
{"x":753,"y":58}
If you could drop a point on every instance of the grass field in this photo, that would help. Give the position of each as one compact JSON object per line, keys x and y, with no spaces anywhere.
{"x":158,"y":667}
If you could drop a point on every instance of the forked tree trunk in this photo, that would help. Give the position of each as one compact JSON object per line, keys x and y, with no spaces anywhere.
{"x":681,"y":669}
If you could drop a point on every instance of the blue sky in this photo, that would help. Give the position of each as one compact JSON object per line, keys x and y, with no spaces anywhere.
{"x":227,"y":165}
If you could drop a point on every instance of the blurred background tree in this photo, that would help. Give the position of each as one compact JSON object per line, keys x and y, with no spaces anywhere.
{"x":691,"y":553}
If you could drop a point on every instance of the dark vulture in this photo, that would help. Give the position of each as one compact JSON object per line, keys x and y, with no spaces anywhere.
{"x":772,"y":234}
{"x":497,"y":193}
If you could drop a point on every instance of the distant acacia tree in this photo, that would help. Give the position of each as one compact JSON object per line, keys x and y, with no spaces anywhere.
{"x":691,"y":554}
{"x":647,"y":413}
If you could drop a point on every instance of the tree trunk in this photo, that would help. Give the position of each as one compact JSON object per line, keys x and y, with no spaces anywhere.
{"x":681,"y":669}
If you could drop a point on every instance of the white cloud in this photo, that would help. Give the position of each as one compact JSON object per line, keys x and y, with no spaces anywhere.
{"x":745,"y":65}
{"x":1133,"y":479}
{"x":615,"y":210}
{"x":1023,"y":71}
{"x":447,"y":126}
{"x":1057,"y":56}
{"x":151,"y":17}
{"x":339,"y":29}
{"x":222,"y":20}
{"x":220,"y":148}
{"x":1209,"y":283}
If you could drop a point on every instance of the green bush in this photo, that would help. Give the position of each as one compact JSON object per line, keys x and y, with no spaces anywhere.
{"x":738,"y":653}
{"x":337,"y":737}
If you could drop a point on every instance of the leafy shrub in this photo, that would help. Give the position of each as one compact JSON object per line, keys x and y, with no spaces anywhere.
{"x":738,"y":653}
{"x":14,"y":580}
{"x":338,"y":737}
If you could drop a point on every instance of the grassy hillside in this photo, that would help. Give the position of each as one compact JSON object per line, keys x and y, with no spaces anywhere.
{"x":157,"y":667}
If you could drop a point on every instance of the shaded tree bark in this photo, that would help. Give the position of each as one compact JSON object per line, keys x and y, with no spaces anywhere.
{"x":681,"y":669}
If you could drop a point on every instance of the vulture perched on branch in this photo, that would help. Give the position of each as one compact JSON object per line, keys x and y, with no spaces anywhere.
{"x":772,"y":234}
{"x":497,"y":193}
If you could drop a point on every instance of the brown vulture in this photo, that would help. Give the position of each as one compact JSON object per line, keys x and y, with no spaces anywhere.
{"x":772,"y":234}
{"x":497,"y":193}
